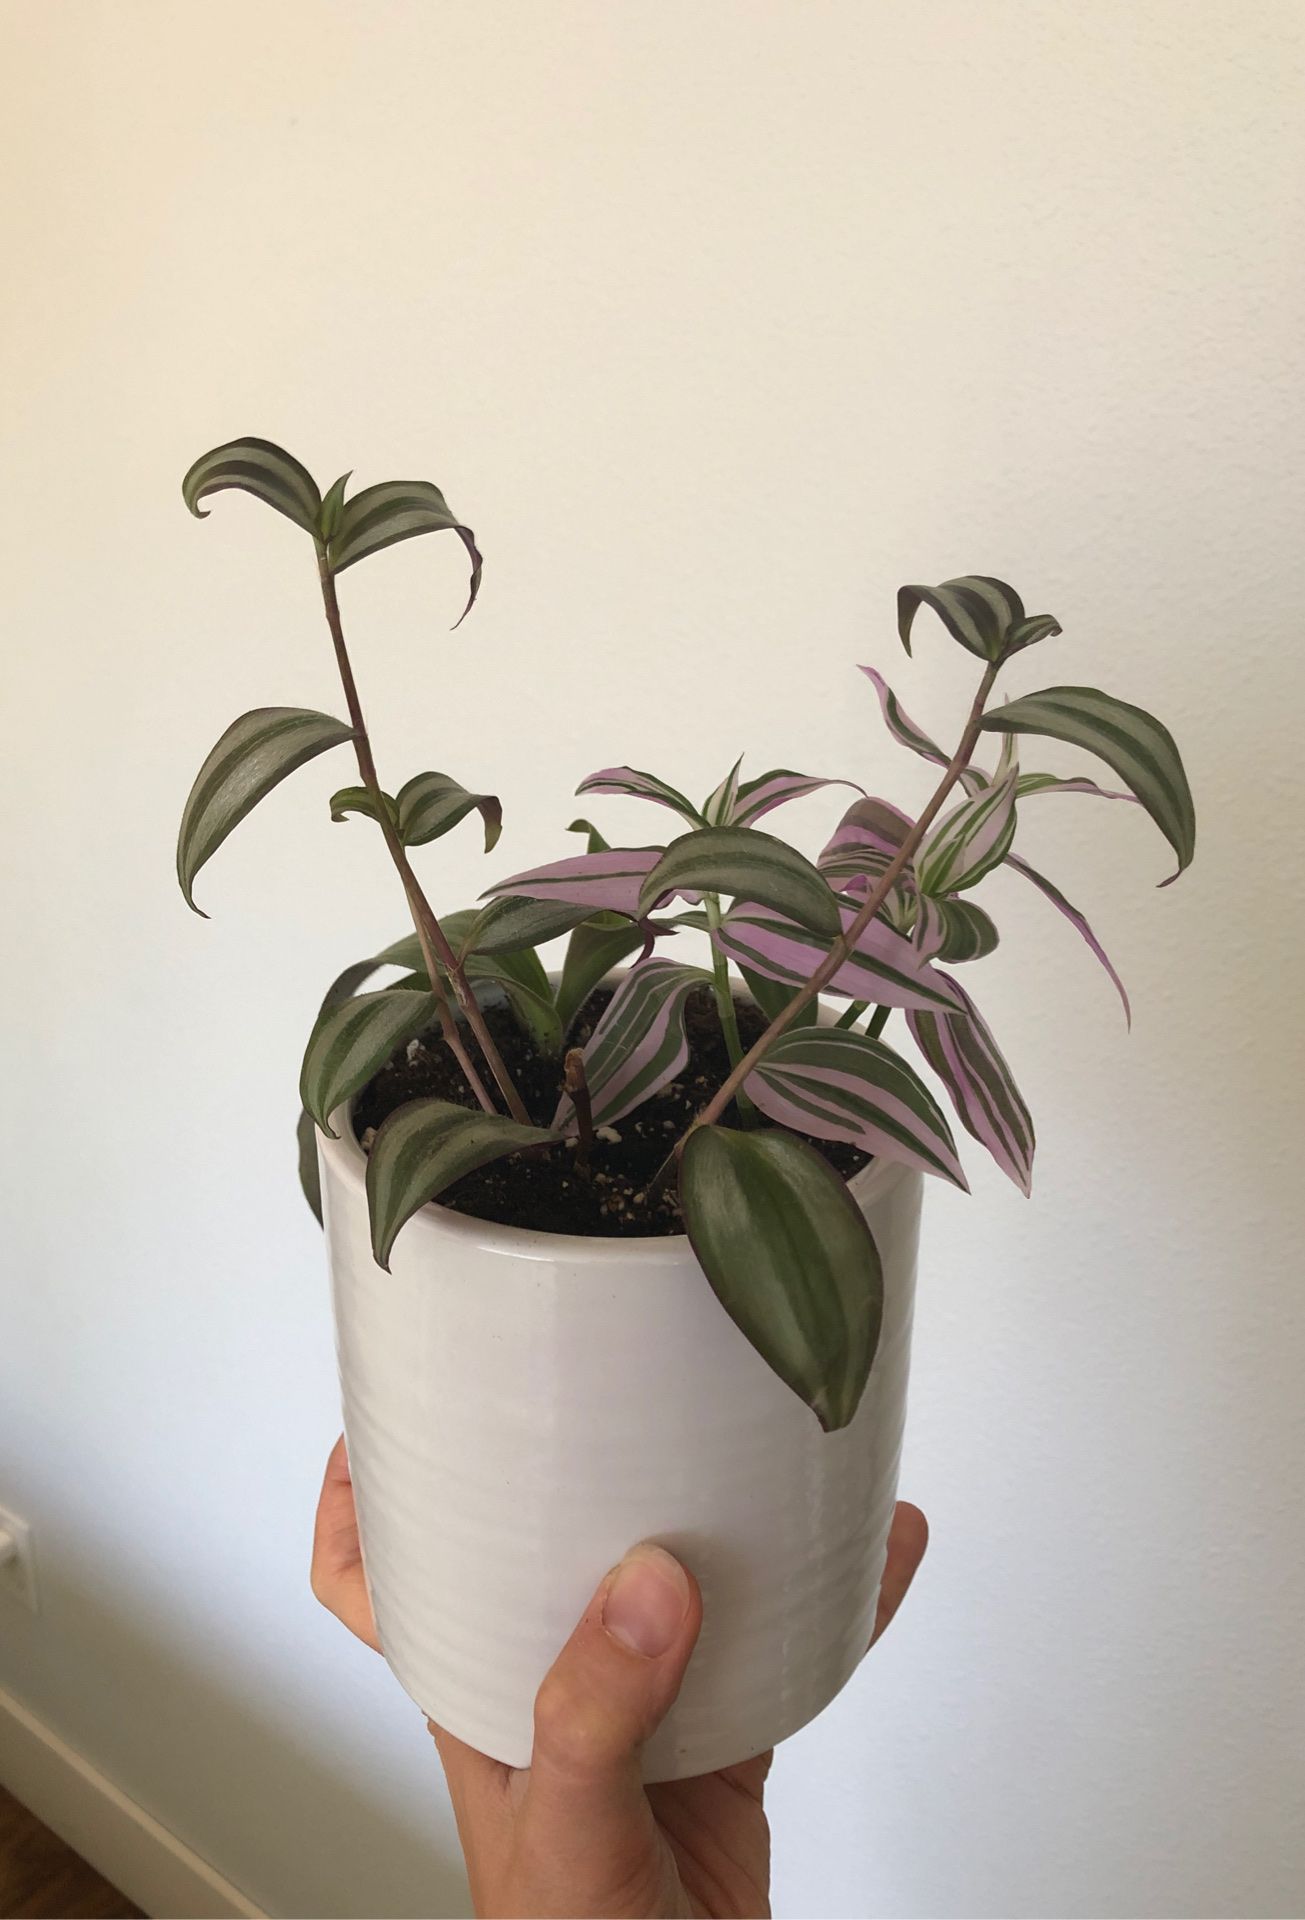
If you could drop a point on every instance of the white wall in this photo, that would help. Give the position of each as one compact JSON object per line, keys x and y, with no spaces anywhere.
{"x":717,"y":322}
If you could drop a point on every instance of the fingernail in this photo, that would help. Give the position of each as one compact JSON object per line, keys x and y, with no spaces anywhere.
{"x":646,"y":1601}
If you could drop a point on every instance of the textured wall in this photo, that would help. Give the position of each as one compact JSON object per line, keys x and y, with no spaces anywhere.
{"x":717,"y":322}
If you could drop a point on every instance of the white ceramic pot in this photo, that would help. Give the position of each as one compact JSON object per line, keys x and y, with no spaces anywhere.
{"x":522,"y":1407}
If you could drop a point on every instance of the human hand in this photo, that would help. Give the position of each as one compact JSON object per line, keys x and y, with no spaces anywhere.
{"x":577,"y":1833}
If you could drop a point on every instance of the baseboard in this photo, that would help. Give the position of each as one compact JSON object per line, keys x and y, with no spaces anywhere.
{"x":120,"y":1840}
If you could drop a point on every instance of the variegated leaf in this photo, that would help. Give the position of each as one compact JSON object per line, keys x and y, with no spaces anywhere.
{"x":970,"y":841}
{"x":361,"y":800}
{"x":748,"y":865}
{"x":1034,"y":783}
{"x":953,"y":930}
{"x":908,"y":734}
{"x":962,"y":1052}
{"x":641,"y":786}
{"x":885,"y":967}
{"x":595,"y":947}
{"x":596,"y":841}
{"x":791,"y":1259}
{"x":421,"y":1149}
{"x":1076,"y":919}
{"x":352,"y":1041}
{"x":609,"y":881}
{"x":431,"y":803}
{"x":398,"y":510}
{"x":772,"y":998}
{"x":864,"y":844}
{"x":639,"y":1045}
{"x":328,"y":514}
{"x":510,"y":924}
{"x":985,"y":615}
{"x":839,"y":1085}
{"x":516,"y":971}
{"x":718,"y":807}
{"x":254,"y":755}
{"x":258,"y":467}
{"x":758,"y":797}
{"x":1131,"y":741}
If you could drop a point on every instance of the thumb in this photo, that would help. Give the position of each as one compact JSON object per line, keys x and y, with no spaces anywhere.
{"x":611,"y":1685}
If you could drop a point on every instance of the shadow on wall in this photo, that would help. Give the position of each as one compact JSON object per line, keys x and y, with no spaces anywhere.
{"x":240,"y":1776}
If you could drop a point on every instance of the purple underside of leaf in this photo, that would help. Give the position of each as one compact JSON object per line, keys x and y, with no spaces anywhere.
{"x":636,"y":785}
{"x":905,"y":731}
{"x":639,"y":1046}
{"x":610,"y":880}
{"x":1076,"y":920}
{"x":793,"y":1098}
{"x":961,"y":1050}
{"x":1077,"y":785}
{"x":885,"y":967}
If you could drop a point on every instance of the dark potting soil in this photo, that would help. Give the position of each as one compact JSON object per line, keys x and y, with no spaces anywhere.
{"x":545,"y":1189}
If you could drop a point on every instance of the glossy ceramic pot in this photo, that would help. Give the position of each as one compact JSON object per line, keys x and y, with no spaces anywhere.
{"x":521,"y":1408}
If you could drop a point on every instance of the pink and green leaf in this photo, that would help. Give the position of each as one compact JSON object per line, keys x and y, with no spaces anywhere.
{"x":962,"y":1052}
{"x":971,"y":840}
{"x":884,"y":968}
{"x":840,"y":1085}
{"x":746,"y":865}
{"x":637,"y":785}
{"x":639,"y":1046}
{"x":756,"y":798}
{"x":1076,"y":919}
{"x":609,"y":881}
{"x":953,"y":930}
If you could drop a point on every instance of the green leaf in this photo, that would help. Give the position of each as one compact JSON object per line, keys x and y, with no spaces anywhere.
{"x":1130,"y":740}
{"x":976,"y":610}
{"x":595,"y":947}
{"x":328,"y":515}
{"x":790,"y":1258}
{"x":597,"y":844}
{"x":421,"y":1149}
{"x":749,"y":865}
{"x":254,"y":755}
{"x":397,"y":510}
{"x":352,"y":1041}
{"x":772,"y":997}
{"x":431,"y":803}
{"x":257,"y":467}
{"x":522,"y":978}
{"x":359,"y":800}
{"x":953,"y":930}
{"x":310,"y":1174}
{"x":509,"y":924}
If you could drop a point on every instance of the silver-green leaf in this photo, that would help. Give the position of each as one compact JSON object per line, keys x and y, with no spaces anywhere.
{"x":352,"y":1041}
{"x":749,"y":865}
{"x":791,"y":1259}
{"x":254,"y":755}
{"x":361,"y":800}
{"x":421,"y":1149}
{"x":430,"y":804}
{"x":397,"y":510}
{"x":258,"y":467}
{"x":1129,"y":739}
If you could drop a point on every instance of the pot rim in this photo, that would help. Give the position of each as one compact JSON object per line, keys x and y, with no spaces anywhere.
{"x":348,"y":1164}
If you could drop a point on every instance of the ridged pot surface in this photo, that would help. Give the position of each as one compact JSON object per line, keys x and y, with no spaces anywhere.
{"x":523,"y":1407}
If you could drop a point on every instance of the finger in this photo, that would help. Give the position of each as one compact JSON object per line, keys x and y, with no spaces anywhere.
{"x":907,"y":1539}
{"x":612,"y":1684}
{"x":480,"y":1791}
{"x":337,"y":1569}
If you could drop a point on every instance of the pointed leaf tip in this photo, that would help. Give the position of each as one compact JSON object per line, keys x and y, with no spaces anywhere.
{"x":258,"y":467}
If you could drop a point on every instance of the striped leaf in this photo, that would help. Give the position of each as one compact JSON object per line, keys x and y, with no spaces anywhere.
{"x":908,"y":734}
{"x":594,"y":948}
{"x":885,"y":967}
{"x":610,"y":881}
{"x":516,"y":971}
{"x":258,"y":467}
{"x":985,"y":615}
{"x":970,"y":841}
{"x":254,"y":755}
{"x":641,"y":786}
{"x":510,"y":924}
{"x":953,"y":930}
{"x":352,"y":1041}
{"x":718,"y":807}
{"x":840,"y":1085}
{"x":397,"y":510}
{"x":791,"y":1259}
{"x":748,"y":865}
{"x":431,"y":803}
{"x":639,"y":1045}
{"x":421,"y":1149}
{"x":962,"y":1052}
{"x":1130,"y":740}
{"x":360,"y":800}
{"x":1076,"y":920}
{"x":863,"y":845}
{"x":310,"y":1177}
{"x":328,"y":515}
{"x":596,"y":842}
{"x":755,"y":798}
{"x":772,"y":998}
{"x":1030,"y":784}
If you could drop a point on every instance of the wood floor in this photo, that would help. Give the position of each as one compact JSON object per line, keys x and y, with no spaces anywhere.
{"x":40,"y":1876}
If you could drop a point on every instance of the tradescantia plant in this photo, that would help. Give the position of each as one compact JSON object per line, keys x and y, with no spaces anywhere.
{"x":876,"y":922}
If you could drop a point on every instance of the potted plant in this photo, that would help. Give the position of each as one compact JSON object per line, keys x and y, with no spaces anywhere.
{"x":631,"y":1254}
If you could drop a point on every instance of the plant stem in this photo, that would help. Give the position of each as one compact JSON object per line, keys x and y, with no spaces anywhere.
{"x":877,"y":1022}
{"x":728,"y":1012}
{"x":845,"y":944}
{"x":436,"y":951}
{"x":850,"y":1015}
{"x":577,"y":1086}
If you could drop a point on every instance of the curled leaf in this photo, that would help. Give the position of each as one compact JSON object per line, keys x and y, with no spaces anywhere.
{"x":430,"y":804}
{"x":351,"y":1042}
{"x":639,"y":1045}
{"x":421,"y":1149}
{"x":398,"y":510}
{"x":258,"y":467}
